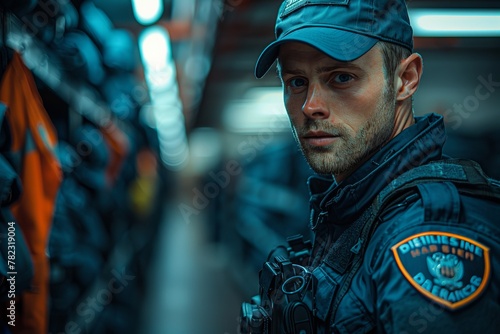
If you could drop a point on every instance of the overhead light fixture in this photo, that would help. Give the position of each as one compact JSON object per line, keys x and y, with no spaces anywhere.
{"x":455,"y":22}
{"x":166,"y":105}
{"x":147,"y":12}
{"x":154,"y":43}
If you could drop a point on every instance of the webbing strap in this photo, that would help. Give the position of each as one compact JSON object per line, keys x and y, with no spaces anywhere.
{"x":441,"y":201}
{"x":435,"y":171}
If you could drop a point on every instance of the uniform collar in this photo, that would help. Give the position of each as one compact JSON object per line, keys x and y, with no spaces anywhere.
{"x":417,"y":145}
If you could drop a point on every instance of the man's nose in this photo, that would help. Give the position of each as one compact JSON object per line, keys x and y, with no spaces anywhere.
{"x":316,"y":106}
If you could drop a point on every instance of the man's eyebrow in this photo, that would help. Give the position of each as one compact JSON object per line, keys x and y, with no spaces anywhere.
{"x":295,"y":71}
{"x":287,"y":70}
{"x":348,"y":65}
{"x":284,"y":70}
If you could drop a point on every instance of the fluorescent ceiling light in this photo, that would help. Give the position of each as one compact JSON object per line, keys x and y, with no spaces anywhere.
{"x":455,"y":22}
{"x":154,"y":44}
{"x":166,"y":106}
{"x":147,"y":11}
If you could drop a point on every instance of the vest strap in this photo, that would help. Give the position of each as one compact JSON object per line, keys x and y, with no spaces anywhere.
{"x":441,"y":201}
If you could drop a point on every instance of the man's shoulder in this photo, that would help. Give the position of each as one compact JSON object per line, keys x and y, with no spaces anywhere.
{"x":414,"y":214}
{"x":441,"y":186}
{"x":444,"y":248}
{"x":462,"y":173}
{"x":466,"y":202}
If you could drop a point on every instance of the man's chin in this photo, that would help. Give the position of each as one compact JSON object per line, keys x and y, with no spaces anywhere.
{"x":310,"y":149}
{"x":322,"y":162}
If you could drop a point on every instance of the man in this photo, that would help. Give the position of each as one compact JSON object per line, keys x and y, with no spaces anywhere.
{"x":406,"y":241}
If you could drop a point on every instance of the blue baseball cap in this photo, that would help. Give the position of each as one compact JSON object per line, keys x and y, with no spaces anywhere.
{"x":343,"y":29}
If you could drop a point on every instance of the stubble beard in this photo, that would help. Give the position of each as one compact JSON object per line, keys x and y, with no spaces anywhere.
{"x":348,"y":151}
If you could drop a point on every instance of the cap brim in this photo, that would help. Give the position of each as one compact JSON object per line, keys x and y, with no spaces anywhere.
{"x":338,"y":44}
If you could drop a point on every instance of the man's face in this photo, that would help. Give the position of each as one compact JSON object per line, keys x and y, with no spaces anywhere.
{"x":340,"y":112}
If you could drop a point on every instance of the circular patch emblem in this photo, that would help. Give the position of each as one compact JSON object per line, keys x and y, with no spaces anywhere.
{"x":448,"y":268}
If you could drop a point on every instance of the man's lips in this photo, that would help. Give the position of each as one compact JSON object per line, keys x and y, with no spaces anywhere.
{"x":319,"y":138}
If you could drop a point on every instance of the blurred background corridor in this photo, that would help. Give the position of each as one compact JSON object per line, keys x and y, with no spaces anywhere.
{"x":176,"y":169}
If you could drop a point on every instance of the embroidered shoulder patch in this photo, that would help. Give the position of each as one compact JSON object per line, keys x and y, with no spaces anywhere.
{"x":450,"y":269}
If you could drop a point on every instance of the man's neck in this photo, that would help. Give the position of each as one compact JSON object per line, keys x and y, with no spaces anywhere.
{"x":403,"y":118}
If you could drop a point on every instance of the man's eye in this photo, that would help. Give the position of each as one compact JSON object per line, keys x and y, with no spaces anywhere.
{"x":343,"y":78}
{"x":297,"y":82}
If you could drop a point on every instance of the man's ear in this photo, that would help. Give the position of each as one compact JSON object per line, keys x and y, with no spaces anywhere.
{"x":408,"y":76}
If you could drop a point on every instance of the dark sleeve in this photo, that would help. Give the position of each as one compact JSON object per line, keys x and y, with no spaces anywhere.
{"x":433,"y":277}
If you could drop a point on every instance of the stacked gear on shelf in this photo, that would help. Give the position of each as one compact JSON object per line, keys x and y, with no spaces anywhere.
{"x":72,"y":145}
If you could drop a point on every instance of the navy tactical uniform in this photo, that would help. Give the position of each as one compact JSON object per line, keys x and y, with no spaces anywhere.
{"x":429,"y":261}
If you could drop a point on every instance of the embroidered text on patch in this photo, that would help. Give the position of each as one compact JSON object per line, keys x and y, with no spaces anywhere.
{"x":450,"y":269}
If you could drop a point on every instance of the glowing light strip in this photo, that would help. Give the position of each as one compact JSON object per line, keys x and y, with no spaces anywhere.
{"x":166,"y":105}
{"x":455,"y":22}
{"x":147,"y":12}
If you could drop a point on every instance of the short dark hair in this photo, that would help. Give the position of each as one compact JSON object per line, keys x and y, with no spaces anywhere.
{"x":392,"y":55}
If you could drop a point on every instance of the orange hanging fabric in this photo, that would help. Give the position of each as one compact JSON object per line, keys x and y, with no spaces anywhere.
{"x":118,"y":146}
{"x":32,"y":153}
